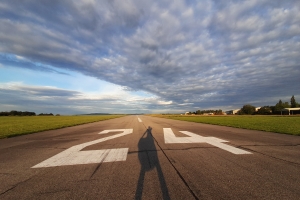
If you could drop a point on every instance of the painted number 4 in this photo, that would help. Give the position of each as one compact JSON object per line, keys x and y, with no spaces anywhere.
{"x":74,"y":155}
{"x":194,"y":138}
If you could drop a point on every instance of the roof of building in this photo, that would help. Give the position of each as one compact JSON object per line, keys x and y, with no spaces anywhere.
{"x":288,"y":109}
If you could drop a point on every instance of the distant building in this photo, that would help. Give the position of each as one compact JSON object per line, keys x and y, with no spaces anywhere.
{"x":291,"y":111}
{"x":257,"y":108}
{"x":208,"y":113}
{"x":232,"y":112}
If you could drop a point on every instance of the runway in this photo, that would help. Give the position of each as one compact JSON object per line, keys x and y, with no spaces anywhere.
{"x":142,"y":157}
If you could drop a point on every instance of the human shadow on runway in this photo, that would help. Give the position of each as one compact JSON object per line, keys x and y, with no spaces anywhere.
{"x":149,"y":161}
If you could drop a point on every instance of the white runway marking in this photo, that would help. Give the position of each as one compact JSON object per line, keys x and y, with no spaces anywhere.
{"x":73,"y":155}
{"x":140,"y":120}
{"x":194,"y":138}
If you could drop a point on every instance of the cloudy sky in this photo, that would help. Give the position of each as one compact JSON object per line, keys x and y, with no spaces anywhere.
{"x":128,"y":56}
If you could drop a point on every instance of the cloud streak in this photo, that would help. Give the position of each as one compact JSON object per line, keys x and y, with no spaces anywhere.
{"x":203,"y":54}
{"x":57,"y":100}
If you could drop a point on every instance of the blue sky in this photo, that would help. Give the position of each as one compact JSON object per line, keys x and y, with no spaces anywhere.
{"x":72,"y":57}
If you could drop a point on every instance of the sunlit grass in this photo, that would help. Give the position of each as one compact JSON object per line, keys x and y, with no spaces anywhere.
{"x":277,"y":124}
{"x":13,"y":126}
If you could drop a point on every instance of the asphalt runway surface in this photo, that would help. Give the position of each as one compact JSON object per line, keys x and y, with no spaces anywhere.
{"x":142,"y":157}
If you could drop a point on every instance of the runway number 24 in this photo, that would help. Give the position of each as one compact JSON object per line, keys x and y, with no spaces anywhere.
{"x":74,"y":155}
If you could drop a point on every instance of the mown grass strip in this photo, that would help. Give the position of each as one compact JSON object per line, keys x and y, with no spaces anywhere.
{"x":14,"y":126}
{"x":278,"y":124}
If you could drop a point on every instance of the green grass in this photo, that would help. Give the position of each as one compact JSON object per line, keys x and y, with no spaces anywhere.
{"x":14,"y":126}
{"x":278,"y":124}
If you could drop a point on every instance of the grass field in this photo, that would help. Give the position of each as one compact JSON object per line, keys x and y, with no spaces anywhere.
{"x":278,"y":124}
{"x":13,"y":126}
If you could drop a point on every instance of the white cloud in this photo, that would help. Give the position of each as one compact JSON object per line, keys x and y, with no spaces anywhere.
{"x":53,"y":99}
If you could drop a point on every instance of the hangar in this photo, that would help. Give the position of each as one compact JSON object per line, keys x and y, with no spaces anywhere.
{"x":291,"y":111}
{"x":232,"y":112}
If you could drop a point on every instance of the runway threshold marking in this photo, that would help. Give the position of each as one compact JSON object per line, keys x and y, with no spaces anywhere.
{"x":170,"y":137}
{"x":73,"y":155}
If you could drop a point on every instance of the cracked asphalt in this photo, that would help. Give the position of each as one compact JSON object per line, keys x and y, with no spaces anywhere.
{"x":153,"y":169}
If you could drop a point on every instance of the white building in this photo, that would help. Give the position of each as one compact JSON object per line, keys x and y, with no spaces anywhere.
{"x":232,"y":112}
{"x":291,"y":111}
{"x":257,"y":108}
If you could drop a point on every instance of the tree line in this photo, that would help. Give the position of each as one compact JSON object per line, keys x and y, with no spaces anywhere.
{"x":17,"y":113}
{"x":268,"y":110}
{"x":202,"y":112}
{"x":251,"y":110}
{"x":26,"y":113}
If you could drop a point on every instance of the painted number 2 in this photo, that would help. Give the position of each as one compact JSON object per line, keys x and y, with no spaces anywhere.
{"x":74,"y":155}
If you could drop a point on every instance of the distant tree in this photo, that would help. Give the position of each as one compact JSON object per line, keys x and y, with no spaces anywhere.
{"x":3,"y":113}
{"x":215,"y":112}
{"x":279,"y":106}
{"x":247,"y":110}
{"x":45,"y":114}
{"x":26,"y":113}
{"x":17,"y":113}
{"x":265,"y":110}
{"x":218,"y":112}
{"x":293,"y":102}
{"x":14,"y":113}
{"x":286,"y":105}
